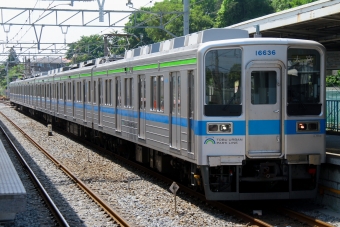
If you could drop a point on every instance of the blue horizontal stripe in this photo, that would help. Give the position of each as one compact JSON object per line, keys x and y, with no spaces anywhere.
{"x":256,"y":127}
{"x":264,"y":127}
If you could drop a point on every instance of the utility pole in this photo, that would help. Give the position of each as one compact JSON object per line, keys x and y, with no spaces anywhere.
{"x":186,"y":9}
{"x":7,"y":88}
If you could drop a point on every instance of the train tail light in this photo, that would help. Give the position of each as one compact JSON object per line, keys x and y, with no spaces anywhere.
{"x":307,"y":126}
{"x":312,"y":170}
{"x":302,"y":127}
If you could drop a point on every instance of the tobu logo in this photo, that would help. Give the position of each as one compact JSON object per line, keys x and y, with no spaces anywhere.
{"x":209,"y":140}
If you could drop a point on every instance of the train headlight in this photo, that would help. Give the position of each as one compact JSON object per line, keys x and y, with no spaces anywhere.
{"x":220,"y":128}
{"x":225,"y":128}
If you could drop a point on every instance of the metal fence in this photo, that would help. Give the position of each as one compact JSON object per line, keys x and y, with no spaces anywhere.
{"x":333,"y":114}
{"x":333,"y":109}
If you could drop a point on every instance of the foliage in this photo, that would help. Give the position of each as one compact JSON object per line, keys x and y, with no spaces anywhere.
{"x":88,"y":47}
{"x":14,"y":72}
{"x":333,"y":80}
{"x":236,"y":11}
{"x":202,"y":15}
{"x":280,"y":5}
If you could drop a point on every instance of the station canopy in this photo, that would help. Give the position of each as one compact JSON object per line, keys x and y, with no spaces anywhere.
{"x":319,"y":21}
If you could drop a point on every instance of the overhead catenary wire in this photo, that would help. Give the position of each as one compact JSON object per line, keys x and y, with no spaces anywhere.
{"x":32,"y":23}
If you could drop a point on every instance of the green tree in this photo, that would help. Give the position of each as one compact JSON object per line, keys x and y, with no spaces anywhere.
{"x":88,"y":47}
{"x":280,"y":5}
{"x":236,"y":11}
{"x":202,"y":15}
{"x":333,"y":80}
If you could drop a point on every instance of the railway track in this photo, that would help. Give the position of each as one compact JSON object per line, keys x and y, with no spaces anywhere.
{"x":223,"y":207}
{"x":110,"y":211}
{"x":47,"y":199}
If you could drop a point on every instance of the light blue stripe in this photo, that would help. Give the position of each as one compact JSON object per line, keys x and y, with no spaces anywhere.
{"x":264,"y":127}
{"x":256,"y":127}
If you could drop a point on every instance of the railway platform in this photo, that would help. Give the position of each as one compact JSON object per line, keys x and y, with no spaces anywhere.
{"x":12,"y":191}
{"x":329,"y":182}
{"x":333,"y":144}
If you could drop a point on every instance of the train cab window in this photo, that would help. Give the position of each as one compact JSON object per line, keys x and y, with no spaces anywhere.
{"x":223,"y":82}
{"x":303,"y":82}
{"x":157,"y":93}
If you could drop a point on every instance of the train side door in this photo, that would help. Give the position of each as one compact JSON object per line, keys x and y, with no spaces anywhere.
{"x":263,"y":110}
{"x":73,"y":97}
{"x":84,"y":99}
{"x":175,"y":110}
{"x":142,"y":106}
{"x":191,"y":99}
{"x":100,"y":97}
{"x":64,"y":97}
{"x":118,"y":104}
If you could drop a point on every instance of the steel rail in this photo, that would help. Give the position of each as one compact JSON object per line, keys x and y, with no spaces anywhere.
{"x":49,"y":202}
{"x":221,"y":206}
{"x":249,"y":219}
{"x":303,"y":218}
{"x":106,"y":207}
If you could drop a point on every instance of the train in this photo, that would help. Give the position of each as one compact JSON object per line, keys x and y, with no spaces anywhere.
{"x":236,"y":117}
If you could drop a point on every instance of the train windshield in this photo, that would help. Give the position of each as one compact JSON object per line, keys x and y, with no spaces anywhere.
{"x":303,"y":82}
{"x":223,"y":82}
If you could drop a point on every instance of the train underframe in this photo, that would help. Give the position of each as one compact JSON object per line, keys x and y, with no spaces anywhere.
{"x":255,"y":179}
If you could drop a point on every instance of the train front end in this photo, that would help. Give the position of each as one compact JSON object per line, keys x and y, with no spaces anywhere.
{"x":260,"y":125}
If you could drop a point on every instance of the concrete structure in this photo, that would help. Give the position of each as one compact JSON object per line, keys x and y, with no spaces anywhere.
{"x":317,"y":21}
{"x":12,"y":191}
{"x":329,"y":184}
{"x":47,"y":63}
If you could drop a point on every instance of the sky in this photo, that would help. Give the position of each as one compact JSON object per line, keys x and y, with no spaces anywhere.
{"x":19,"y":34}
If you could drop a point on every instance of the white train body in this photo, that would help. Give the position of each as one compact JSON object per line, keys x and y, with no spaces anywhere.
{"x":243,"y":118}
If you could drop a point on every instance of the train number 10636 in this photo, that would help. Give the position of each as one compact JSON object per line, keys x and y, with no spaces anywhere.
{"x":265,"y":52}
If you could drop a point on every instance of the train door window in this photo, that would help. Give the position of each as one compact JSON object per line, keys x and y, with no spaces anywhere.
{"x":128,"y":93}
{"x":157,"y":93}
{"x":94,"y":91}
{"x":110,"y":92}
{"x":69,"y":91}
{"x":175,"y":116}
{"x":106,"y":96}
{"x":153,"y":93}
{"x":223,"y":82}
{"x":263,"y":87}
{"x":77,"y":92}
{"x":89,"y":91}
